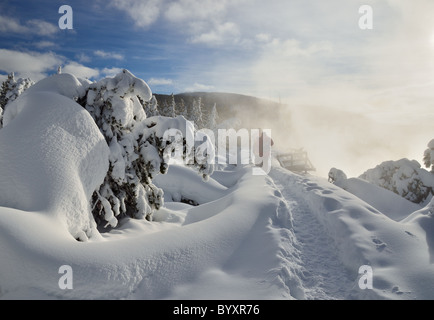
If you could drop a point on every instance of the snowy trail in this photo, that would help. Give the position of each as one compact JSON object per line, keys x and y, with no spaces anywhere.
{"x":323,"y":275}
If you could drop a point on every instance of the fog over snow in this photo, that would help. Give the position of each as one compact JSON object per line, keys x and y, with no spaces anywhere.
{"x":280,"y":235}
{"x":358,"y":101}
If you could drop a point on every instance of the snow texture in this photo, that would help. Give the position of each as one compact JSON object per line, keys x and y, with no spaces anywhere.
{"x":52,"y":155}
{"x":235,"y":236}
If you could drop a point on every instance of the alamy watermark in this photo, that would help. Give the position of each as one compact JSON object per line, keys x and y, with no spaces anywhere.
{"x":366,"y":279}
{"x":66,"y":20}
{"x":366,"y":21}
{"x":233,"y":147}
{"x":66,"y":280}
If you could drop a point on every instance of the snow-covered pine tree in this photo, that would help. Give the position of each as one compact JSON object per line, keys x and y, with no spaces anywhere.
{"x":168,"y":109}
{"x":196,"y":114}
{"x":181,"y":109}
{"x":211,"y":118}
{"x":139,"y":148}
{"x":11,"y":89}
{"x":404,"y":177}
{"x":428,"y":157}
{"x":164,"y":108}
{"x":172,"y":106}
{"x":151,"y":107}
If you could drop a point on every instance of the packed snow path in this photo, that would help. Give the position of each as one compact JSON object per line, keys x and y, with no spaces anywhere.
{"x":323,"y":275}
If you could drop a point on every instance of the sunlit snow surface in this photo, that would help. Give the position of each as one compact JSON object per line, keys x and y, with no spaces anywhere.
{"x":276,"y":236}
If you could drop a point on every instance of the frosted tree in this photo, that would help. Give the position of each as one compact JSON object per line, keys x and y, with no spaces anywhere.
{"x":196,"y":114}
{"x":211,"y":118}
{"x":11,"y":89}
{"x":172,"y":106}
{"x":169,"y":109}
{"x":181,"y":109}
{"x":140,"y":148}
{"x":404,"y":177}
{"x":428,"y":157}
{"x":151,"y":107}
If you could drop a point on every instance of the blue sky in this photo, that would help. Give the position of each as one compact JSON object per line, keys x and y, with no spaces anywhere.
{"x":301,"y":52}
{"x":186,"y":45}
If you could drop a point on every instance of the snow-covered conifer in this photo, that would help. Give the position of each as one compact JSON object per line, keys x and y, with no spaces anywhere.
{"x":181,"y":109}
{"x":151,"y":107}
{"x":169,"y":109}
{"x":404,"y":177}
{"x":428,"y":157}
{"x":139,"y":148}
{"x":196,"y":114}
{"x":12,"y":88}
{"x":211,"y":118}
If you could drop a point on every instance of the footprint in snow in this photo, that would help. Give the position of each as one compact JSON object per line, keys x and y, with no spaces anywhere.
{"x":380,"y":245}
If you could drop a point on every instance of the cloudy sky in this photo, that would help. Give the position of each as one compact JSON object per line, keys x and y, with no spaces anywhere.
{"x":308,"y":53}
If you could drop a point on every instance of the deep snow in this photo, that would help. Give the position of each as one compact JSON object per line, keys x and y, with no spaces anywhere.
{"x":275,"y":236}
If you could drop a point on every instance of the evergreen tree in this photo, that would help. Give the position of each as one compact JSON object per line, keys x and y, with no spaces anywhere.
{"x":172,"y":107}
{"x":428,"y":157}
{"x":139,"y":148}
{"x":169,"y":109}
{"x":151,"y":107}
{"x":181,"y":109}
{"x":10,"y":90}
{"x":196,"y":114}
{"x":211,"y":118}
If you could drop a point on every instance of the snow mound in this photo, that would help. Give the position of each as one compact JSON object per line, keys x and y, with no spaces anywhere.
{"x":123,"y":91}
{"x":53,"y":156}
{"x":243,"y":249}
{"x":182,"y":184}
{"x":399,"y":253}
{"x":404,"y":177}
{"x":385,"y":201}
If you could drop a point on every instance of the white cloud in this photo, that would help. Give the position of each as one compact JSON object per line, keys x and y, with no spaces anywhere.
{"x":80,"y":71}
{"x":81,"y":57}
{"x":37,"y":66}
{"x":34,"y":26}
{"x":195,"y":10}
{"x":223,"y":33}
{"x":199,"y":87}
{"x":28,"y":64}
{"x":111,"y":72}
{"x":44,"y":44}
{"x":42,"y":28}
{"x":108,"y":55}
{"x":143,"y":12}
{"x":159,"y":81}
{"x":8,"y":24}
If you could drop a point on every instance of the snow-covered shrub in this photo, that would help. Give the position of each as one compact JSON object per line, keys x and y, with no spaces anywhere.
{"x":428,"y":157}
{"x":53,"y":156}
{"x":169,"y":110}
{"x":151,"y":107}
{"x":404,"y":177}
{"x":195,"y":113}
{"x":10,"y":91}
{"x":211,"y":118}
{"x":140,"y":148}
{"x":337,"y":176}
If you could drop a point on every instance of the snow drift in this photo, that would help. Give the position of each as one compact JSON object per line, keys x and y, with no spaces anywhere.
{"x":53,"y":156}
{"x":235,"y":236}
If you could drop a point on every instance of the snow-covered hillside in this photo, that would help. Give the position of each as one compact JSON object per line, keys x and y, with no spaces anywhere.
{"x":275,"y":236}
